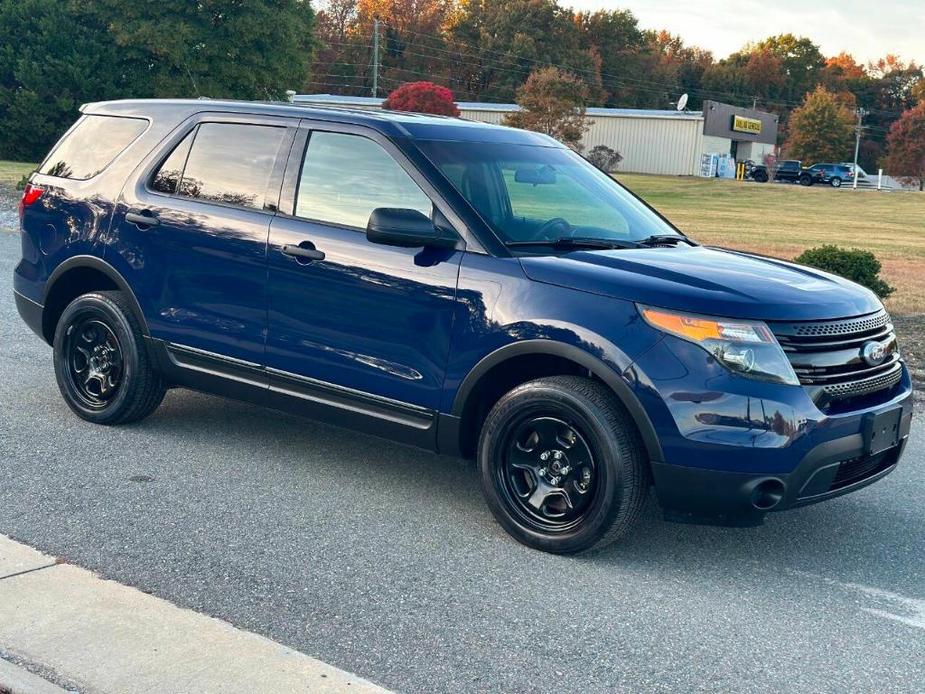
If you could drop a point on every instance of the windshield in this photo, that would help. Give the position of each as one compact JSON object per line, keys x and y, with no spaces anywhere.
{"x":535,"y":193}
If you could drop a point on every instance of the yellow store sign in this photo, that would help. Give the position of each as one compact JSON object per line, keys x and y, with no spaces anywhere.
{"x":746,"y":125}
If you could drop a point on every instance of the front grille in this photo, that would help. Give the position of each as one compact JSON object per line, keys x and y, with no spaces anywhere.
{"x":857,"y":469}
{"x":827,"y":356}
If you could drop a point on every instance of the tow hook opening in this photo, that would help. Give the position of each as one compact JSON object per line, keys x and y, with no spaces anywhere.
{"x":768,"y":494}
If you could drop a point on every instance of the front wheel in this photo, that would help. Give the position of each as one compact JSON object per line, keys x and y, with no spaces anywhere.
{"x":102,"y":363}
{"x":562,"y":466}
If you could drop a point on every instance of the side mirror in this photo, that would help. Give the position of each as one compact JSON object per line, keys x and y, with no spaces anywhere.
{"x":392,"y":226}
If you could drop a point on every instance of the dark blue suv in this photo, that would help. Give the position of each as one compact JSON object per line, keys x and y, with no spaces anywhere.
{"x":472,"y":289}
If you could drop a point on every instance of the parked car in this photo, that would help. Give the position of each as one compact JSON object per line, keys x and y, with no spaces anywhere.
{"x":756,"y":172}
{"x":833,"y":174}
{"x":788,"y":170}
{"x":468,"y":288}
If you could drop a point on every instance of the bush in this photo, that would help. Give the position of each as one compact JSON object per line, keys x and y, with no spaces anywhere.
{"x":604,"y":158}
{"x":422,"y":97}
{"x":853,"y":264}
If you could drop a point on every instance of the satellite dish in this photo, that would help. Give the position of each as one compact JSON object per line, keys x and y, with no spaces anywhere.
{"x":682,"y":102}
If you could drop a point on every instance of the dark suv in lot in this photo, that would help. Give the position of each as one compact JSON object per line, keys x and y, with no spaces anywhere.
{"x":468,"y":288}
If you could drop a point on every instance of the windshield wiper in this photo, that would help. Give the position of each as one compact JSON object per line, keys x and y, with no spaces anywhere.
{"x":577,"y":242}
{"x":665,"y":239}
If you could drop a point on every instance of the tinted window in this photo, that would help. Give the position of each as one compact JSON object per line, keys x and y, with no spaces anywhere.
{"x":231,"y":163}
{"x":167,"y":178}
{"x":346,"y":177}
{"x":92,"y":145}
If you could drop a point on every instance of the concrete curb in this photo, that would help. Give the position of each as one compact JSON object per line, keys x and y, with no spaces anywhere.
{"x":20,"y":681}
{"x":112,"y":638}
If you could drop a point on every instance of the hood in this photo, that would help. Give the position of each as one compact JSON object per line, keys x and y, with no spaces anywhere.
{"x":705,"y":280}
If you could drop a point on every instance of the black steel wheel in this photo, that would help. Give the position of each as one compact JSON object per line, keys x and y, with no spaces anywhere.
{"x":102,"y":365}
{"x":94,"y":361}
{"x":561,"y":465}
{"x":547,"y":472}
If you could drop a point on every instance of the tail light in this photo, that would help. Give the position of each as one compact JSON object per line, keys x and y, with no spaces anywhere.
{"x":30,"y":194}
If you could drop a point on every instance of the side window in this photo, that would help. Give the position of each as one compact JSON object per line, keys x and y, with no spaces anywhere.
{"x":231,"y":163}
{"x":167,"y":178}
{"x":346,"y":177}
{"x":92,"y":146}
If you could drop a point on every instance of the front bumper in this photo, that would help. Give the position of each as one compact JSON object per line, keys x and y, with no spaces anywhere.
{"x":830,"y":469}
{"x":735,"y":449}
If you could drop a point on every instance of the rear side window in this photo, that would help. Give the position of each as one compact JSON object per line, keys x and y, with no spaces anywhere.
{"x":230,"y":163}
{"x":92,"y":146}
{"x":167,"y":178}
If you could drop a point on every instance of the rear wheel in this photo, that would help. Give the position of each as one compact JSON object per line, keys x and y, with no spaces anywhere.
{"x":761,"y":176}
{"x":836,"y":182}
{"x":561,"y":465}
{"x":806,"y":180}
{"x":102,"y":365}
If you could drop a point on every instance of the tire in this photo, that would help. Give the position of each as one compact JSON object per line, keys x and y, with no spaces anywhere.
{"x":102,"y":364}
{"x":561,"y":465}
{"x":836,"y":182}
{"x":806,"y":180}
{"x":761,"y":177}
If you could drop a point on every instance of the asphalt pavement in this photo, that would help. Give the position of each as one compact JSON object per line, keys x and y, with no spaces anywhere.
{"x":384,"y":561}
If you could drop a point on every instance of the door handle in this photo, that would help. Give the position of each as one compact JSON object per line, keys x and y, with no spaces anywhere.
{"x":142,"y":220}
{"x":305,"y":252}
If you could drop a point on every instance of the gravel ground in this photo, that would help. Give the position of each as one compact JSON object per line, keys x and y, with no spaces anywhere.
{"x":383,"y":560}
{"x":9,"y":201}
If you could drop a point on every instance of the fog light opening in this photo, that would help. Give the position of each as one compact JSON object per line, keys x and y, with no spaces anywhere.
{"x":768,"y":494}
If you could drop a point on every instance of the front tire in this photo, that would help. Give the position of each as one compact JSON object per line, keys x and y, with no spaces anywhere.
{"x":562,"y":466}
{"x":102,"y":364}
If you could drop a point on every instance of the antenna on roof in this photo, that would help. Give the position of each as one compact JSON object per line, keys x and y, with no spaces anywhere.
{"x":682,"y":102}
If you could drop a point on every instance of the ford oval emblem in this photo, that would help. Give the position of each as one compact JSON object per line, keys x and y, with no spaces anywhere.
{"x":873,"y":353}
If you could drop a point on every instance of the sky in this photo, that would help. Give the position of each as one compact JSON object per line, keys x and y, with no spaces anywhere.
{"x":868,"y":29}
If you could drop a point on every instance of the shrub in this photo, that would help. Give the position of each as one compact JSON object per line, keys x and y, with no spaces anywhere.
{"x":604,"y":158}
{"x":21,"y":184}
{"x":854,"y":264}
{"x":422,"y":97}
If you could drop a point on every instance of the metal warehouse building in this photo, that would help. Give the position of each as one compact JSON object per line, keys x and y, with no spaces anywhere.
{"x":657,"y":142}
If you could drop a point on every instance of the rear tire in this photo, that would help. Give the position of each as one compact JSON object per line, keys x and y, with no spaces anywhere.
{"x":562,"y":466}
{"x":806,"y":180}
{"x":102,"y":364}
{"x":836,"y":182}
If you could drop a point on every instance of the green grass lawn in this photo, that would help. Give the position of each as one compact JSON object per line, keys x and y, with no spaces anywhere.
{"x":12,"y":171}
{"x":784,"y":220}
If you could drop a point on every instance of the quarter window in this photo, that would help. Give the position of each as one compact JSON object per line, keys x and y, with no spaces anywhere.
{"x":92,"y":146}
{"x":345,"y":177}
{"x":231,"y":163}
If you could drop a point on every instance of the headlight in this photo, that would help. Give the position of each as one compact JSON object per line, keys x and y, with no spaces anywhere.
{"x":743,"y":346}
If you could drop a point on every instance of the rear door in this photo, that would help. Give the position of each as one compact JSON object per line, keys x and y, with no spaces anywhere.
{"x":192,"y":234}
{"x":363,"y":327}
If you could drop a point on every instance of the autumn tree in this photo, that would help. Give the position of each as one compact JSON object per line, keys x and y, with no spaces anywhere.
{"x":906,"y":146}
{"x":821,"y":129}
{"x":552,"y":102}
{"x":422,"y":97}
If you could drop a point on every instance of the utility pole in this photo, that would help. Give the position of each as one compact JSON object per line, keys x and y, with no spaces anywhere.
{"x":754,"y":103}
{"x":857,"y":146}
{"x":376,"y":57}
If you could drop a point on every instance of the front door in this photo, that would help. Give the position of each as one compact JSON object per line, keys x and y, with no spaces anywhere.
{"x":365,"y":329}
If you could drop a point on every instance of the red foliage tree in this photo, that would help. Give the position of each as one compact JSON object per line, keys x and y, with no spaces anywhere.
{"x":906,"y":146}
{"x":422,"y":97}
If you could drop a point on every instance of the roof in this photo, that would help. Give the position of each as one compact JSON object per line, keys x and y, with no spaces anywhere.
{"x":369,"y":102}
{"x":391,"y":123}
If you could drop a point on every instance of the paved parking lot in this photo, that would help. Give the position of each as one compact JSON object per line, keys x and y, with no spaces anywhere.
{"x":383,"y":560}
